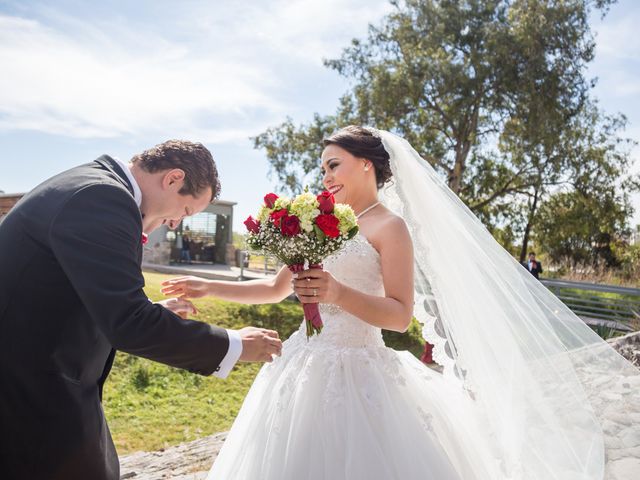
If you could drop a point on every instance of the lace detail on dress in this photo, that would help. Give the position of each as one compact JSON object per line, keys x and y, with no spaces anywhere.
{"x":345,"y":338}
{"x":356,"y":265}
{"x":425,"y":308}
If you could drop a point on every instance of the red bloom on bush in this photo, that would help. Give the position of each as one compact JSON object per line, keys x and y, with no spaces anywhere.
{"x":270,"y":199}
{"x":277,"y":216}
{"x":252,"y":224}
{"x":326,"y":201}
{"x":290,"y":225}
{"x":329,"y":225}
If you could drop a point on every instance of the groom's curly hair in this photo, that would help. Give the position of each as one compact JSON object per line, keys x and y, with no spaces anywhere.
{"x":193,"y":158}
{"x":361,"y":142}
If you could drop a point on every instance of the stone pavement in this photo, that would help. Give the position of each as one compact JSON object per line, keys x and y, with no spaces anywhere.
{"x":622,"y":430}
{"x":187,"y":461}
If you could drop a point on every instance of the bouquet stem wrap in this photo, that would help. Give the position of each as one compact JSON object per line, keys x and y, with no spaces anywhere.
{"x":311,"y":310}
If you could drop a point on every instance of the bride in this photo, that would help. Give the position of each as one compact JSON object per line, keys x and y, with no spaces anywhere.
{"x":525,"y":382}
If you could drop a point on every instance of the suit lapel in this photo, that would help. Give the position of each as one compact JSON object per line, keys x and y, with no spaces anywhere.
{"x":111,"y":165}
{"x":114,"y":167}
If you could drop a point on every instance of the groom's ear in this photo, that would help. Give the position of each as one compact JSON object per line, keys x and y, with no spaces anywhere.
{"x":173,"y":179}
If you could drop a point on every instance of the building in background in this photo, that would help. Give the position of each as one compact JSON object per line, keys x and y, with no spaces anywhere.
{"x":209,"y":233}
{"x":7,"y":201}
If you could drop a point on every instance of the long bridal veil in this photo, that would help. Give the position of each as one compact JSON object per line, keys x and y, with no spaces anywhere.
{"x":540,"y":379}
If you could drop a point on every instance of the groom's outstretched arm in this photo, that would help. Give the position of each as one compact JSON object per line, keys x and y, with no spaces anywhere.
{"x":96,"y":238}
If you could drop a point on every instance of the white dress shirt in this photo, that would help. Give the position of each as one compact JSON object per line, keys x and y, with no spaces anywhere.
{"x":235,"y":342}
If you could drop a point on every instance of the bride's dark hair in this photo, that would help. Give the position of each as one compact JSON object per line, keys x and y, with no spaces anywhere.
{"x":363,"y":143}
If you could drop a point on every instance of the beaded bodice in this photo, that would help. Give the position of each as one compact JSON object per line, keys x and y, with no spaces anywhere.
{"x":356,"y":265}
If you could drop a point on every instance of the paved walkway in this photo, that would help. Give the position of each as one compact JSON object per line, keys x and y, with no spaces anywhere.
{"x":211,"y":271}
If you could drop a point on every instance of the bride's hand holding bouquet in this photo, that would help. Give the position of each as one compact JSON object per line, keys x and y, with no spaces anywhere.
{"x":301,"y":232}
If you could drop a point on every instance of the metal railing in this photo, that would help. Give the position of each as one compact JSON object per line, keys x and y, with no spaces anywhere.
{"x":268,"y":265}
{"x":610,"y":306}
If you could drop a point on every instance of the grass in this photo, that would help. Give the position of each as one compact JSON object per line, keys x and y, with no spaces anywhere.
{"x":150,"y":406}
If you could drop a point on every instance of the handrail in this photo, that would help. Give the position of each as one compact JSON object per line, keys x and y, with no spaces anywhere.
{"x":599,"y":287}
{"x":596,"y":308}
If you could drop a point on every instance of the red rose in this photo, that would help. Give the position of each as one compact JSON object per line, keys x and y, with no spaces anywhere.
{"x":252,"y":224}
{"x":270,"y":199}
{"x":277,"y":216}
{"x":329,"y":225}
{"x":145,"y":238}
{"x":290,"y":225}
{"x":326,"y":201}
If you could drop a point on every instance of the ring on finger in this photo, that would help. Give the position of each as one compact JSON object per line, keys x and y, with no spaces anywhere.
{"x":315,"y":292}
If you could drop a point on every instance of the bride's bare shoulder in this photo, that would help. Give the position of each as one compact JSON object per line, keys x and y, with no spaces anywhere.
{"x":390,"y":231}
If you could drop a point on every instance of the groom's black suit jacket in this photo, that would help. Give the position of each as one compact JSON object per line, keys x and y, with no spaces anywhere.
{"x":70,"y":296}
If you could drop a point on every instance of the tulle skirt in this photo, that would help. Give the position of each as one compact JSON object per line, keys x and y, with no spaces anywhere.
{"x":324,"y":412}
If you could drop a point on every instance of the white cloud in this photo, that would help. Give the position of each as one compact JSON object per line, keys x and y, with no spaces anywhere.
{"x":303,"y":31}
{"x":77,"y":86}
{"x":617,"y":38}
{"x":219,"y":72}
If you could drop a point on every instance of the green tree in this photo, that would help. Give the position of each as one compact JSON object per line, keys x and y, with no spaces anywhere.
{"x":492,"y":93}
{"x":429,"y":74}
{"x":588,"y":154}
{"x":579,"y":230}
{"x":584,"y":223}
{"x":447,"y":75}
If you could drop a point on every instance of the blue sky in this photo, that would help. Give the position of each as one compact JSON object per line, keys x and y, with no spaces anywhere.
{"x":82,"y":78}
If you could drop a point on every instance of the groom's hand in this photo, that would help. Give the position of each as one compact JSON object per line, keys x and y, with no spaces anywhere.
{"x":259,"y":344}
{"x":179,"y":306}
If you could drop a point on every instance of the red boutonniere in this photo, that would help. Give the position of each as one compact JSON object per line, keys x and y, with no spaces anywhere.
{"x":145,"y":238}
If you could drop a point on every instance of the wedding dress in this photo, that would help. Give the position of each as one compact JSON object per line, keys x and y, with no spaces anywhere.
{"x":529,"y":391}
{"x":342,"y":405}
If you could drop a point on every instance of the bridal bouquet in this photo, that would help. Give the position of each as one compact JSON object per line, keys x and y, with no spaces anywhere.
{"x":302,"y":231}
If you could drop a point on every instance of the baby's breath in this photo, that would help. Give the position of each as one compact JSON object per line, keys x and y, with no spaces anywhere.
{"x":311,"y":244}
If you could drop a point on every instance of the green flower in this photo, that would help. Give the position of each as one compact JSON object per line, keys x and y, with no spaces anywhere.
{"x":347,"y":218}
{"x":263,"y":214}
{"x":282,"y":202}
{"x":305,"y":207}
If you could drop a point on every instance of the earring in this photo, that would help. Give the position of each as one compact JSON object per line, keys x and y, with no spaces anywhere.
{"x":366,"y":169}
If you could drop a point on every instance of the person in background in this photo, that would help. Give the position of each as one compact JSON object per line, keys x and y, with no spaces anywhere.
{"x":185,"y":252}
{"x":533,"y":265}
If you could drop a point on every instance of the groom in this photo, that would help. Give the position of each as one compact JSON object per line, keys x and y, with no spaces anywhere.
{"x":71,"y":294}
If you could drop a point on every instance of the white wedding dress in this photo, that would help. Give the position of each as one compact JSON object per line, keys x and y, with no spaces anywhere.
{"x":554,"y":400}
{"x":341,"y":405}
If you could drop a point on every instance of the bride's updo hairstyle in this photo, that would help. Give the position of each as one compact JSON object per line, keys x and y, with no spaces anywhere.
{"x":362,"y":142}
